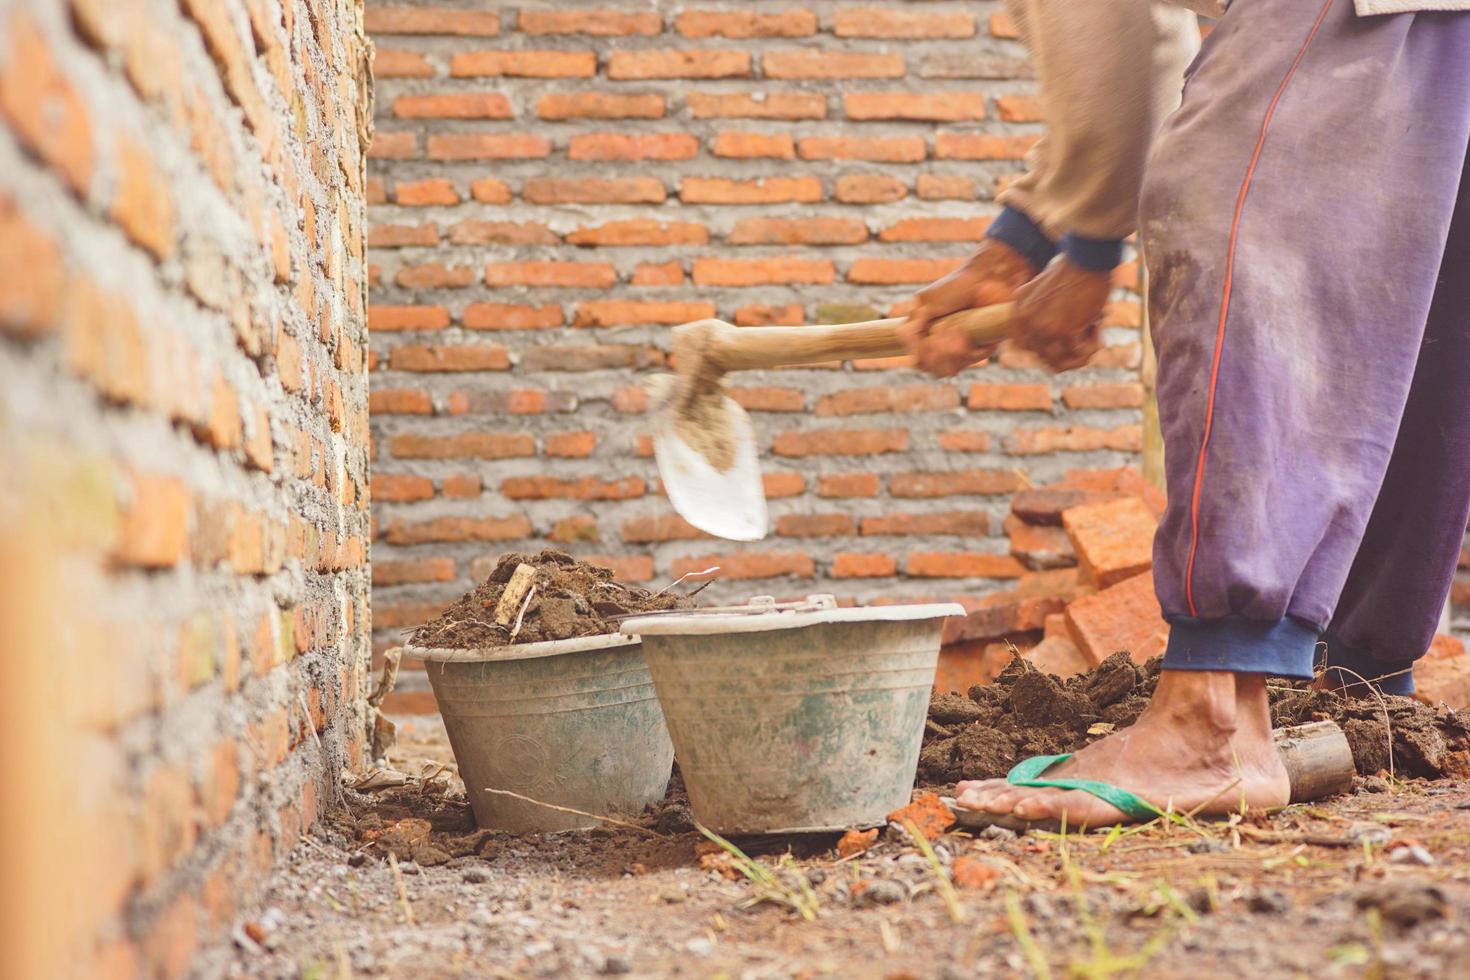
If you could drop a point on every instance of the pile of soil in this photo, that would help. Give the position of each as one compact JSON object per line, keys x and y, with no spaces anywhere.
{"x":571,"y":599}
{"x":1026,"y":712}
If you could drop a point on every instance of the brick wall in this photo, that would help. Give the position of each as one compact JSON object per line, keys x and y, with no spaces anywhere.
{"x":554,"y":185}
{"x":183,"y":424}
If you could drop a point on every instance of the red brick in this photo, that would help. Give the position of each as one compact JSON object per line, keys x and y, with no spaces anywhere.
{"x":1127,"y":395}
{"x":981,"y":146}
{"x":954,"y":483}
{"x":593,"y":190}
{"x":847,"y":564}
{"x":449,"y":358}
{"x":571,"y":445}
{"x":1074,"y":439}
{"x":434,"y":275}
{"x":1039,"y":546}
{"x":490,"y":191}
{"x":461,"y":486}
{"x":743,"y":23}
{"x":599,"y":105}
{"x":964,"y":441}
{"x":433,"y":20}
{"x":840,"y":442}
{"x":779,"y":485}
{"x":900,"y":23}
{"x":511,"y":316}
{"x":566,"y":275}
{"x":761,"y":272}
{"x":762,"y":105}
{"x":400,"y":401}
{"x":395,"y":63}
{"x":413,"y":570}
{"x":487,"y":146}
{"x":633,"y":146}
{"x":456,"y":105}
{"x":956,"y":523}
{"x":683,"y":63}
{"x":1018,"y":108}
{"x":463,"y":445}
{"x":764,"y":190}
{"x":815,"y":525}
{"x":769,"y":399}
{"x":935,"y":230}
{"x":891,"y":272}
{"x":641,"y":231}
{"x":501,"y":233}
{"x":961,"y":564}
{"x":600,"y":22}
{"x":759,"y":315}
{"x":45,"y":111}
{"x":798,"y":231}
{"x":584,"y":488}
{"x":906,"y":398}
{"x":1001,"y":25}
{"x":848,"y":485}
{"x":394,"y":146}
{"x":870,"y":189}
{"x":403,"y":236}
{"x":401,"y":488}
{"x":622,"y":312}
{"x":1009,"y":397}
{"x":945,"y":187}
{"x":809,"y":63}
{"x":750,"y":565}
{"x":523,"y":64}
{"x":663,"y":527}
{"x":422,"y":193}
{"x":449,"y":529}
{"x":742,"y":145}
{"x":154,"y":531}
{"x":1123,"y":617}
{"x":915,"y":106}
{"x":1113,"y":539}
{"x":893,"y":149}
{"x":596,"y":357}
{"x":31,"y":274}
{"x":143,"y":206}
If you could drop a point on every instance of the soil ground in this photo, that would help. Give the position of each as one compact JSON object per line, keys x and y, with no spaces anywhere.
{"x":1374,"y":884}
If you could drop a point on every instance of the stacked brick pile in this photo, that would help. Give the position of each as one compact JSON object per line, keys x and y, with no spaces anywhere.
{"x":555,"y":185}
{"x":183,"y":429}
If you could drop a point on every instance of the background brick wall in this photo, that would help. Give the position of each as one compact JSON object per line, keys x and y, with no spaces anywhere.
{"x":554,"y":185}
{"x":183,"y":425}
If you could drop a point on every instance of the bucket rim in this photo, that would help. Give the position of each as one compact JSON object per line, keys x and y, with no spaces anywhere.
{"x":520,"y":651}
{"x":694,"y":624}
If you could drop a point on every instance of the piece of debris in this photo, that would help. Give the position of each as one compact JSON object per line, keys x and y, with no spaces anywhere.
{"x":972,"y":873}
{"x":927,"y":814}
{"x":1405,"y":904}
{"x":856,"y":842}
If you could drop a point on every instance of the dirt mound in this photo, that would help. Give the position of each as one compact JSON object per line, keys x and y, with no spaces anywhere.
{"x":1026,"y":712}
{"x":571,"y":599}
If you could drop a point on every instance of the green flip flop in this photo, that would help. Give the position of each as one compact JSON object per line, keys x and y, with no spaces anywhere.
{"x":1028,"y":772}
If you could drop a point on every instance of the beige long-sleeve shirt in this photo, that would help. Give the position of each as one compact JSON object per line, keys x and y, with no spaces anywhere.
{"x":1110,"y":71}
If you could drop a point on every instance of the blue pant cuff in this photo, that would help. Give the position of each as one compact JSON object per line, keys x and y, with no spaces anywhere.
{"x":1352,"y":666}
{"x":1096,"y":254}
{"x":1017,"y":230}
{"x":1241,"y":646}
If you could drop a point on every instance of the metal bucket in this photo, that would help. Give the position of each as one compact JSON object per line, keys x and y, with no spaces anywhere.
{"x":569,"y":722}
{"x":804,"y":719}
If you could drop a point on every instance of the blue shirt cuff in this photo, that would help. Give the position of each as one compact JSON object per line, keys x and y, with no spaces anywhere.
{"x":1018,"y":231}
{"x":1097,"y":254}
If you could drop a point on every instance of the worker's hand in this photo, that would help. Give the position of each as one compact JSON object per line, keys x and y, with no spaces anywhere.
{"x":991,"y":276}
{"x":1059,"y":314}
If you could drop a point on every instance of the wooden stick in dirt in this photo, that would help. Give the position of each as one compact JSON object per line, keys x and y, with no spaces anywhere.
{"x":1318,"y":760}
{"x":515,"y":591}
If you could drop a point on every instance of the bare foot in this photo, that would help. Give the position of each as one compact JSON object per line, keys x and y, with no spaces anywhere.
{"x":1203,"y":744}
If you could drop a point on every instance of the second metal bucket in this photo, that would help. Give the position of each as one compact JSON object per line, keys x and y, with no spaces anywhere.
{"x":798,"y":719}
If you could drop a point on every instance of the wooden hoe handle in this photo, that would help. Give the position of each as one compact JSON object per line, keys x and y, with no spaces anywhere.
{"x":746,"y":348}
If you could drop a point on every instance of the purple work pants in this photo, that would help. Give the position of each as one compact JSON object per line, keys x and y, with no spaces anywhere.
{"x":1306,"y":225}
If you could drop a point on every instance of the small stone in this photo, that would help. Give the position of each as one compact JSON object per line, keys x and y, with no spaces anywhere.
{"x":476,"y":876}
{"x":994,"y":832}
{"x":1207,"y":846}
{"x":616,"y":966}
{"x":356,"y":859}
{"x":409,"y":868}
{"x":1410,"y":854}
{"x":700,"y":946}
{"x":882,"y":892}
{"x":1268,"y":901}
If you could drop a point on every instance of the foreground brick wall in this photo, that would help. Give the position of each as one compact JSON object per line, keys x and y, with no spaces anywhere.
{"x":554,"y":185}
{"x":183,"y":425}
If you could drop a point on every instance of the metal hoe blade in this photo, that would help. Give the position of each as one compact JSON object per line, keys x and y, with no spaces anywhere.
{"x":728,"y":504}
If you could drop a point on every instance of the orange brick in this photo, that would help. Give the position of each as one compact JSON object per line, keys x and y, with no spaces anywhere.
{"x":848,"y":485}
{"x":742,"y":145}
{"x":394,"y":146}
{"x":603,"y":23}
{"x":31,"y":274}
{"x":584,"y":488}
{"x":683,"y":63}
{"x":401,"y":488}
{"x":981,"y":146}
{"x":415,"y":570}
{"x":489,"y":191}
{"x":143,"y":206}
{"x":523,"y":64}
{"x":449,"y":358}
{"x":463,"y":445}
{"x":447,"y":529}
{"x":808,"y":63}
{"x":1113,"y":539}
{"x":840,"y":442}
{"x":945,"y":187}
{"x":815,"y":525}
{"x":750,"y":565}
{"x":743,"y":23}
{"x":764,"y":105}
{"x":407,"y":317}
{"x":1058,"y":656}
{"x":641,"y":231}
{"x":956,"y":523}
{"x":894,"y":149}
{"x":1125,"y":617}
{"x":397,"y":63}
{"x":761,"y":272}
{"x":46,"y":113}
{"x":769,"y":399}
{"x":455,"y":105}
{"x":798,"y":231}
{"x":400,"y":401}
{"x":760,"y":315}
{"x":900,"y":23}
{"x":765,"y":190}
{"x":593,"y":190}
{"x":935,"y":230}
{"x":434,"y":275}
{"x":906,"y":398}
{"x":1074,"y":439}
{"x":915,"y":106}
{"x":870,"y":189}
{"x":1018,"y":108}
{"x":599,"y":105}
{"x":511,"y":316}
{"x":567,"y":275}
{"x":632,"y":146}
{"x":664,"y":527}
{"x":779,"y":485}
{"x":433,"y":20}
{"x":889,"y":272}
{"x":954,"y":483}
{"x":155,"y":522}
{"x":854,"y":565}
{"x":964,"y":441}
{"x":961,"y":564}
{"x":622,"y":312}
{"x":1009,"y":397}
{"x":501,"y":233}
{"x":1039,"y":546}
{"x":418,"y":193}
{"x":625,"y":568}
{"x":401,"y":236}
{"x":571,"y":445}
{"x":579,"y":527}
{"x":461,"y":486}
{"x":1127,"y":395}
{"x":487,"y":146}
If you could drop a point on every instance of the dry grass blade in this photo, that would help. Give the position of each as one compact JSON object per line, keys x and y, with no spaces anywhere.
{"x":576,"y":812}
{"x":770,"y":888}
{"x":941,"y":876}
{"x":1034,"y":957}
{"x":402,"y":889}
{"x":515,"y":630}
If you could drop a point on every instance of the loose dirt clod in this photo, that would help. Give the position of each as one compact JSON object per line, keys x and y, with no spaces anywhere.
{"x":567,"y":599}
{"x":1026,"y":712}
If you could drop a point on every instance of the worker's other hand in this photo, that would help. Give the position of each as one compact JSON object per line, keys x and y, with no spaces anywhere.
{"x":991,"y":276}
{"x":1059,"y":314}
